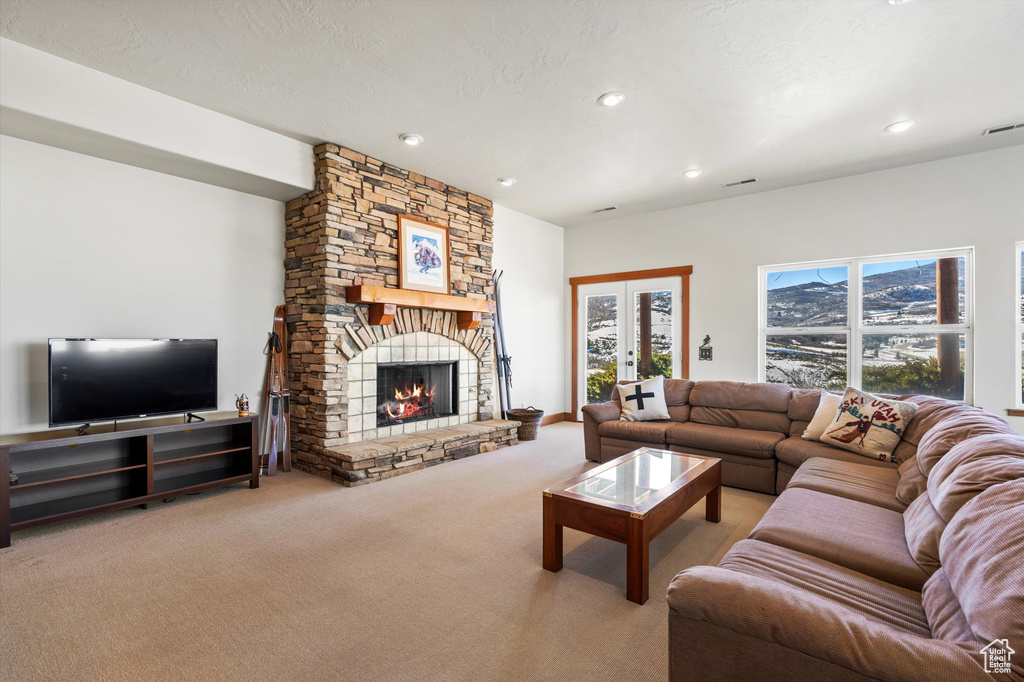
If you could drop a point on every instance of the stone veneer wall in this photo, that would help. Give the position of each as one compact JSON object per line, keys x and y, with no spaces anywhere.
{"x":345,"y":232}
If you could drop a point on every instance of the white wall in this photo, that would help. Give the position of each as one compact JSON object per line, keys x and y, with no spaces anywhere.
{"x":57,"y":102}
{"x":530,"y":251}
{"x":975,"y":200}
{"x":92,"y":248}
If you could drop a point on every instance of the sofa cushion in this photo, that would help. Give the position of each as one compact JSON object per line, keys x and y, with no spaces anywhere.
{"x":946,"y":619}
{"x":737,"y":395}
{"x":795,"y":451}
{"x":648,"y":432}
{"x":869,"y":424}
{"x":755,"y":420}
{"x":959,"y":427}
{"x":859,"y":536}
{"x":973,"y":466}
{"x":759,"y":407}
{"x":912,"y":481}
{"x":797,"y":428}
{"x":930,"y":413}
{"x":749,"y":473}
{"x":981,"y":553}
{"x":747,"y":442}
{"x":854,"y":481}
{"x":726,"y":626}
{"x":924,"y":530}
{"x":879,"y":601}
{"x":612,"y":448}
{"x":803,"y":403}
{"x":679,"y":413}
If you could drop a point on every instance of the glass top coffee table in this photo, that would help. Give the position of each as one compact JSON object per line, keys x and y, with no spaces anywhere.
{"x":631,"y":499}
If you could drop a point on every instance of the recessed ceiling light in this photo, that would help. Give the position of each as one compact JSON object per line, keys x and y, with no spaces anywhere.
{"x":899,"y":126}
{"x":693,"y":172}
{"x":898,"y":2}
{"x":410,"y":139}
{"x":508,"y":182}
{"x":611,"y":99}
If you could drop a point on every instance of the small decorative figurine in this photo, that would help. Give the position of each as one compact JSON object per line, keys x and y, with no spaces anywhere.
{"x":242,"y":403}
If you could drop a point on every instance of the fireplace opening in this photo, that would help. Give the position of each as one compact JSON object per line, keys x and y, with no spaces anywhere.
{"x":408,"y":392}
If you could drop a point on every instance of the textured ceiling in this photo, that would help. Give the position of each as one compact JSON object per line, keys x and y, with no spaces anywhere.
{"x":788,"y":91}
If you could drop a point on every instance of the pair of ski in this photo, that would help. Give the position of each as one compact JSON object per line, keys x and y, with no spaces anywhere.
{"x":503,"y":359}
{"x":275,"y":404}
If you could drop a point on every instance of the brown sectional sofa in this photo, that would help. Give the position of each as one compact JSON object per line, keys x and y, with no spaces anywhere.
{"x":868,"y":572}
{"x":754,"y":429}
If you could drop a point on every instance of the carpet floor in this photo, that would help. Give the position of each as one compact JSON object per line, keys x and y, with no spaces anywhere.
{"x":435,"y":575}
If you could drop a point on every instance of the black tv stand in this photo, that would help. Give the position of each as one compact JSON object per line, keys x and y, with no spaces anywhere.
{"x":62,"y":476}
{"x":189,"y":417}
{"x":82,"y":429}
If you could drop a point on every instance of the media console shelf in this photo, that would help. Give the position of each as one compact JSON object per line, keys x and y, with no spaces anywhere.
{"x":61,"y":477}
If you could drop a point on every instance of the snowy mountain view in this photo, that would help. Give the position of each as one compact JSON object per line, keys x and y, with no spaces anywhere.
{"x":899,"y":294}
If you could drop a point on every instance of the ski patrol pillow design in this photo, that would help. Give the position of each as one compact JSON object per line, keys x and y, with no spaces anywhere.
{"x":643,"y":401}
{"x":869,"y":425}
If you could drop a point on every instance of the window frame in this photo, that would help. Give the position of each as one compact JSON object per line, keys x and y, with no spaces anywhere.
{"x":1018,"y":253}
{"x":855,"y":329}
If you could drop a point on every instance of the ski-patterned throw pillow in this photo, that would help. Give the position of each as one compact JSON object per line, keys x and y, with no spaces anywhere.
{"x":869,"y":425}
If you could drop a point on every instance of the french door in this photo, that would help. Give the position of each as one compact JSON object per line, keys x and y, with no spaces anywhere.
{"x":626,"y":330}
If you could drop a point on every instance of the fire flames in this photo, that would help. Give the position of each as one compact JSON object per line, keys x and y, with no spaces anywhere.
{"x":412,"y":402}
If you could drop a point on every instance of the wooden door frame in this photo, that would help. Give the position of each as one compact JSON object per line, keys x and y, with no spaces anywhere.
{"x":683,"y":272}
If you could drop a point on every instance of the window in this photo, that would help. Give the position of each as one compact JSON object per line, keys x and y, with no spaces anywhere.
{"x":888,"y":324}
{"x":1019,"y":314}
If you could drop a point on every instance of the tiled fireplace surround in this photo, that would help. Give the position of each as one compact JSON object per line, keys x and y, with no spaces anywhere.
{"x":344,"y":233}
{"x":413,"y":347}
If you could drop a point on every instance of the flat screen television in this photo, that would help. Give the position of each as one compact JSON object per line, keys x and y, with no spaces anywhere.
{"x":93,"y":380}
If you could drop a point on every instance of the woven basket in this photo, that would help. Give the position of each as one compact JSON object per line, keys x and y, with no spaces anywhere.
{"x":529,"y":419}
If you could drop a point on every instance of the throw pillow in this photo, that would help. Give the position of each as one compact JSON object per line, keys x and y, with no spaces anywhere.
{"x":643,"y":401}
{"x":828,"y":405}
{"x":869,"y":425}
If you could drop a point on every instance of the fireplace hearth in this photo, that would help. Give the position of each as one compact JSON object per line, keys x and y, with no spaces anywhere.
{"x":411,"y":391}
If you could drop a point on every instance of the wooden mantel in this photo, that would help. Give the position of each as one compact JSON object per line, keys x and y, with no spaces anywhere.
{"x":384,"y":302}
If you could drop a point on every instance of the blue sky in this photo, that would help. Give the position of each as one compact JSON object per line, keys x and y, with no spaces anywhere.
{"x":781,"y":280}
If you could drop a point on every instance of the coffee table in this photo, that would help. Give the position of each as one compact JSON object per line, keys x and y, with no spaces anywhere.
{"x":631,"y":499}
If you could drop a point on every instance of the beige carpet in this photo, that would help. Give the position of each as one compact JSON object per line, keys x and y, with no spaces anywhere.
{"x":434,"y":575}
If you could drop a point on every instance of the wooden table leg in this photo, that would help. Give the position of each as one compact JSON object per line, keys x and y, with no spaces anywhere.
{"x":552,"y":536}
{"x":713,"y":504}
{"x":638,"y":561}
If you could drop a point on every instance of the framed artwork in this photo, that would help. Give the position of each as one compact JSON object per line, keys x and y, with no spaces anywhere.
{"x":423,"y":256}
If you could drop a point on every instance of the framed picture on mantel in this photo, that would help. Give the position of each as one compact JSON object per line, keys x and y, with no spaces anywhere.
{"x":423,"y":256}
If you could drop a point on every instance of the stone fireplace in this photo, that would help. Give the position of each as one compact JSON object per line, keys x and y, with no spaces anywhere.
{"x":344,"y":233}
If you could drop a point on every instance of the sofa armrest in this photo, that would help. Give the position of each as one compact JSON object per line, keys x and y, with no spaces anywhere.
{"x":602,"y":412}
{"x":727,"y":625}
{"x":593,"y":415}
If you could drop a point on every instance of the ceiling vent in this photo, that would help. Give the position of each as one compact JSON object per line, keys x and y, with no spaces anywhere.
{"x":741,"y":182}
{"x":1003,"y":129}
{"x":605,"y":210}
